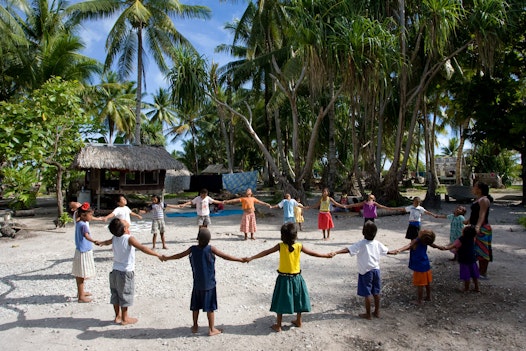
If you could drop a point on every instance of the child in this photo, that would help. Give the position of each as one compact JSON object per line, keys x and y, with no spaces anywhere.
{"x":83,"y":262}
{"x":344,"y":200}
{"x":204,"y":296}
{"x":158,"y":224}
{"x":415,"y":217}
{"x":325,"y":222}
{"x":467,"y":257}
{"x":290,"y":293}
{"x":298,"y":213}
{"x":248,"y":221}
{"x":122,"y":277}
{"x":122,"y":211}
{"x":369,"y":207}
{"x":419,"y":263}
{"x":288,"y":206}
{"x":457,"y":224}
{"x":202,"y":207}
{"x":368,"y":252}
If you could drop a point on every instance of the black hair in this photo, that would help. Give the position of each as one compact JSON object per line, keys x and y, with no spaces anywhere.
{"x":469,"y":232}
{"x":81,"y":211}
{"x":203,"y":237}
{"x":156,"y":197}
{"x":369,"y":230}
{"x":116,"y":227}
{"x":289,"y":234}
{"x":203,"y":191}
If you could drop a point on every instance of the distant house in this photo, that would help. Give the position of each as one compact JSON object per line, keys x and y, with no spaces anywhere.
{"x":123,"y":169}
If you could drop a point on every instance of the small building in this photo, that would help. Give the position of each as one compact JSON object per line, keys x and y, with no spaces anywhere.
{"x":123,"y":169}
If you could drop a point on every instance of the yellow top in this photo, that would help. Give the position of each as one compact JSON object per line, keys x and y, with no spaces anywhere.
{"x":325,"y":205}
{"x":289,"y":262}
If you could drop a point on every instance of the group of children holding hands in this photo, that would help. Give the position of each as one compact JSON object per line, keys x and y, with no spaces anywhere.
{"x":290,"y":294}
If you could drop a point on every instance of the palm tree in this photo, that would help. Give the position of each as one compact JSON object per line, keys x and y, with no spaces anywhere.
{"x":451,"y":148}
{"x":140,"y":23}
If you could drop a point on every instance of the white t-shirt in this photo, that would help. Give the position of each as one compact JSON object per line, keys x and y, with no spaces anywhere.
{"x":123,"y":253}
{"x":368,"y":253}
{"x":123,"y":212}
{"x":415,"y":213}
{"x":202,"y":206}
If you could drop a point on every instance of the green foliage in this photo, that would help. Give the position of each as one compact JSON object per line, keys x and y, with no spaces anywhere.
{"x":19,"y":183}
{"x":522,"y":221}
{"x":489,"y":157}
{"x":64,"y":219}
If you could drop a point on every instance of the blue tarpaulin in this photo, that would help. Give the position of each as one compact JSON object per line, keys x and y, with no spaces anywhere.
{"x":239,"y":182}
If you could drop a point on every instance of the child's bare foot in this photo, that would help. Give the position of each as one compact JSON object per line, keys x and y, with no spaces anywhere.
{"x":165,"y":248}
{"x":276,"y":328}
{"x":376,"y":314}
{"x":417,"y":302}
{"x":296,"y":323}
{"x":214,"y":331}
{"x":252,"y":237}
{"x":476,"y":290}
{"x":364,"y":316}
{"x":84,"y":299}
{"x":129,"y":320}
{"x":195,"y":328}
{"x":118,"y":320}
{"x":427,"y":298}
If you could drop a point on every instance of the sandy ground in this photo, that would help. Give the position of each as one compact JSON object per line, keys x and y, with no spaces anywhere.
{"x":38,"y":309}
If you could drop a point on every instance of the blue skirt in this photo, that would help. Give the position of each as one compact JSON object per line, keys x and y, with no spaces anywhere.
{"x":290,"y":295}
{"x":205,"y":300}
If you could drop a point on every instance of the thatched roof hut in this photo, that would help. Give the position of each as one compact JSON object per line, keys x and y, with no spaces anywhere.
{"x":123,"y":169}
{"x":125,"y":157}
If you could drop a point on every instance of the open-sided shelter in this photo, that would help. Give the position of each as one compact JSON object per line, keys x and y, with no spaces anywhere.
{"x":124,"y":169}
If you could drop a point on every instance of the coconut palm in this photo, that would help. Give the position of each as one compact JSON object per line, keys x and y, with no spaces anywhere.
{"x":140,"y":23}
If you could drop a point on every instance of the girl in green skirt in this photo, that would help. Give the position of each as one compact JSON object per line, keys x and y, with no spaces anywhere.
{"x":290,"y":293}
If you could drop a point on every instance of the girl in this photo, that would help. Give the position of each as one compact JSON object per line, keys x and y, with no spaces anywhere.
{"x":158,"y":225}
{"x":419,"y":263}
{"x":415,"y":217}
{"x":204,"y":295}
{"x":325,"y":222}
{"x":248,"y":221}
{"x":83,"y":262}
{"x":290,"y":293}
{"x":456,"y":226}
{"x":298,"y":213}
{"x":467,"y":258}
{"x":369,"y":208}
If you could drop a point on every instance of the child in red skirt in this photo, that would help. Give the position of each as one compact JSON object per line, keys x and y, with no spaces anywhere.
{"x":325,"y":222}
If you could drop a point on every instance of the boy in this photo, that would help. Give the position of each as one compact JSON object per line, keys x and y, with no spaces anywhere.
{"x":202,"y":207}
{"x":368,"y":252}
{"x":158,"y":225}
{"x":204,"y":296}
{"x":122,"y":280}
{"x":122,"y":211}
{"x":415,"y":217}
{"x":288,"y":204}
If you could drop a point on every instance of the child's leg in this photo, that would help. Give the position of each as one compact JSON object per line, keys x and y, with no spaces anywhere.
{"x":328,"y":233}
{"x":118,"y":317}
{"x":297,"y":322}
{"x":476,"y":283}
{"x":367,"y":314}
{"x":277,"y":326}
{"x":376,"y":312}
{"x":163,"y":241}
{"x":127,"y":319}
{"x":428,"y":292}
{"x":323,"y":231}
{"x":252,"y":236}
{"x":195,"y":317}
{"x":420,"y":294}
{"x":246,"y":236}
{"x":466,"y":285}
{"x":212,"y":330}
{"x":82,"y":297}
{"x":154,"y":240}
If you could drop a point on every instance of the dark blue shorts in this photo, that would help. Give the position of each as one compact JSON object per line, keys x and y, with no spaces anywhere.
{"x":369,"y":283}
{"x":205,"y":300}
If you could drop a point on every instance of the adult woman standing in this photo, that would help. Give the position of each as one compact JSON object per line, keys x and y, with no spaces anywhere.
{"x":479,"y":218}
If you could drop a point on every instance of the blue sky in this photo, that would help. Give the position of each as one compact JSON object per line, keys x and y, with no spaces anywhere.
{"x":205,"y":36}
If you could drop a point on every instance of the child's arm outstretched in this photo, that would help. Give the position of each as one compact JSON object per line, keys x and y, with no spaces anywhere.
{"x":317,"y":254}
{"x":135,"y":215}
{"x":135,"y":243}
{"x":225,"y":256}
{"x":336,"y":203}
{"x":176,"y":256}
{"x":262,"y":253}
{"x":404,"y":248}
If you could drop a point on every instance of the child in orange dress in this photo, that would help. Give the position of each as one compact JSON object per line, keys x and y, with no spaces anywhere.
{"x":248,"y":221}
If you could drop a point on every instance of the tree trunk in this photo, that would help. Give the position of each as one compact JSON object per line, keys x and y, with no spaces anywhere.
{"x":138,"y":103}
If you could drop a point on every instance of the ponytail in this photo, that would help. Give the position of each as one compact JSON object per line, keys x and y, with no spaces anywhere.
{"x":289,"y":234}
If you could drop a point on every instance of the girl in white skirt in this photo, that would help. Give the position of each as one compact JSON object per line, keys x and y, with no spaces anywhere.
{"x":83,"y":263}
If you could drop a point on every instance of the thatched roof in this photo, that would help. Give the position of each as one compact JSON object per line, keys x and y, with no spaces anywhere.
{"x":125,"y":157}
{"x":215,"y":169}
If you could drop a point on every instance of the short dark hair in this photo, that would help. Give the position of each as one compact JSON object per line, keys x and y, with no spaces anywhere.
{"x":116,"y":227}
{"x":369,"y":230}
{"x":469,"y":232}
{"x":203,"y":237}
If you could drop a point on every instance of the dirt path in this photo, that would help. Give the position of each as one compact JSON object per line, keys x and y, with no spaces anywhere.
{"x":38,"y":308}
